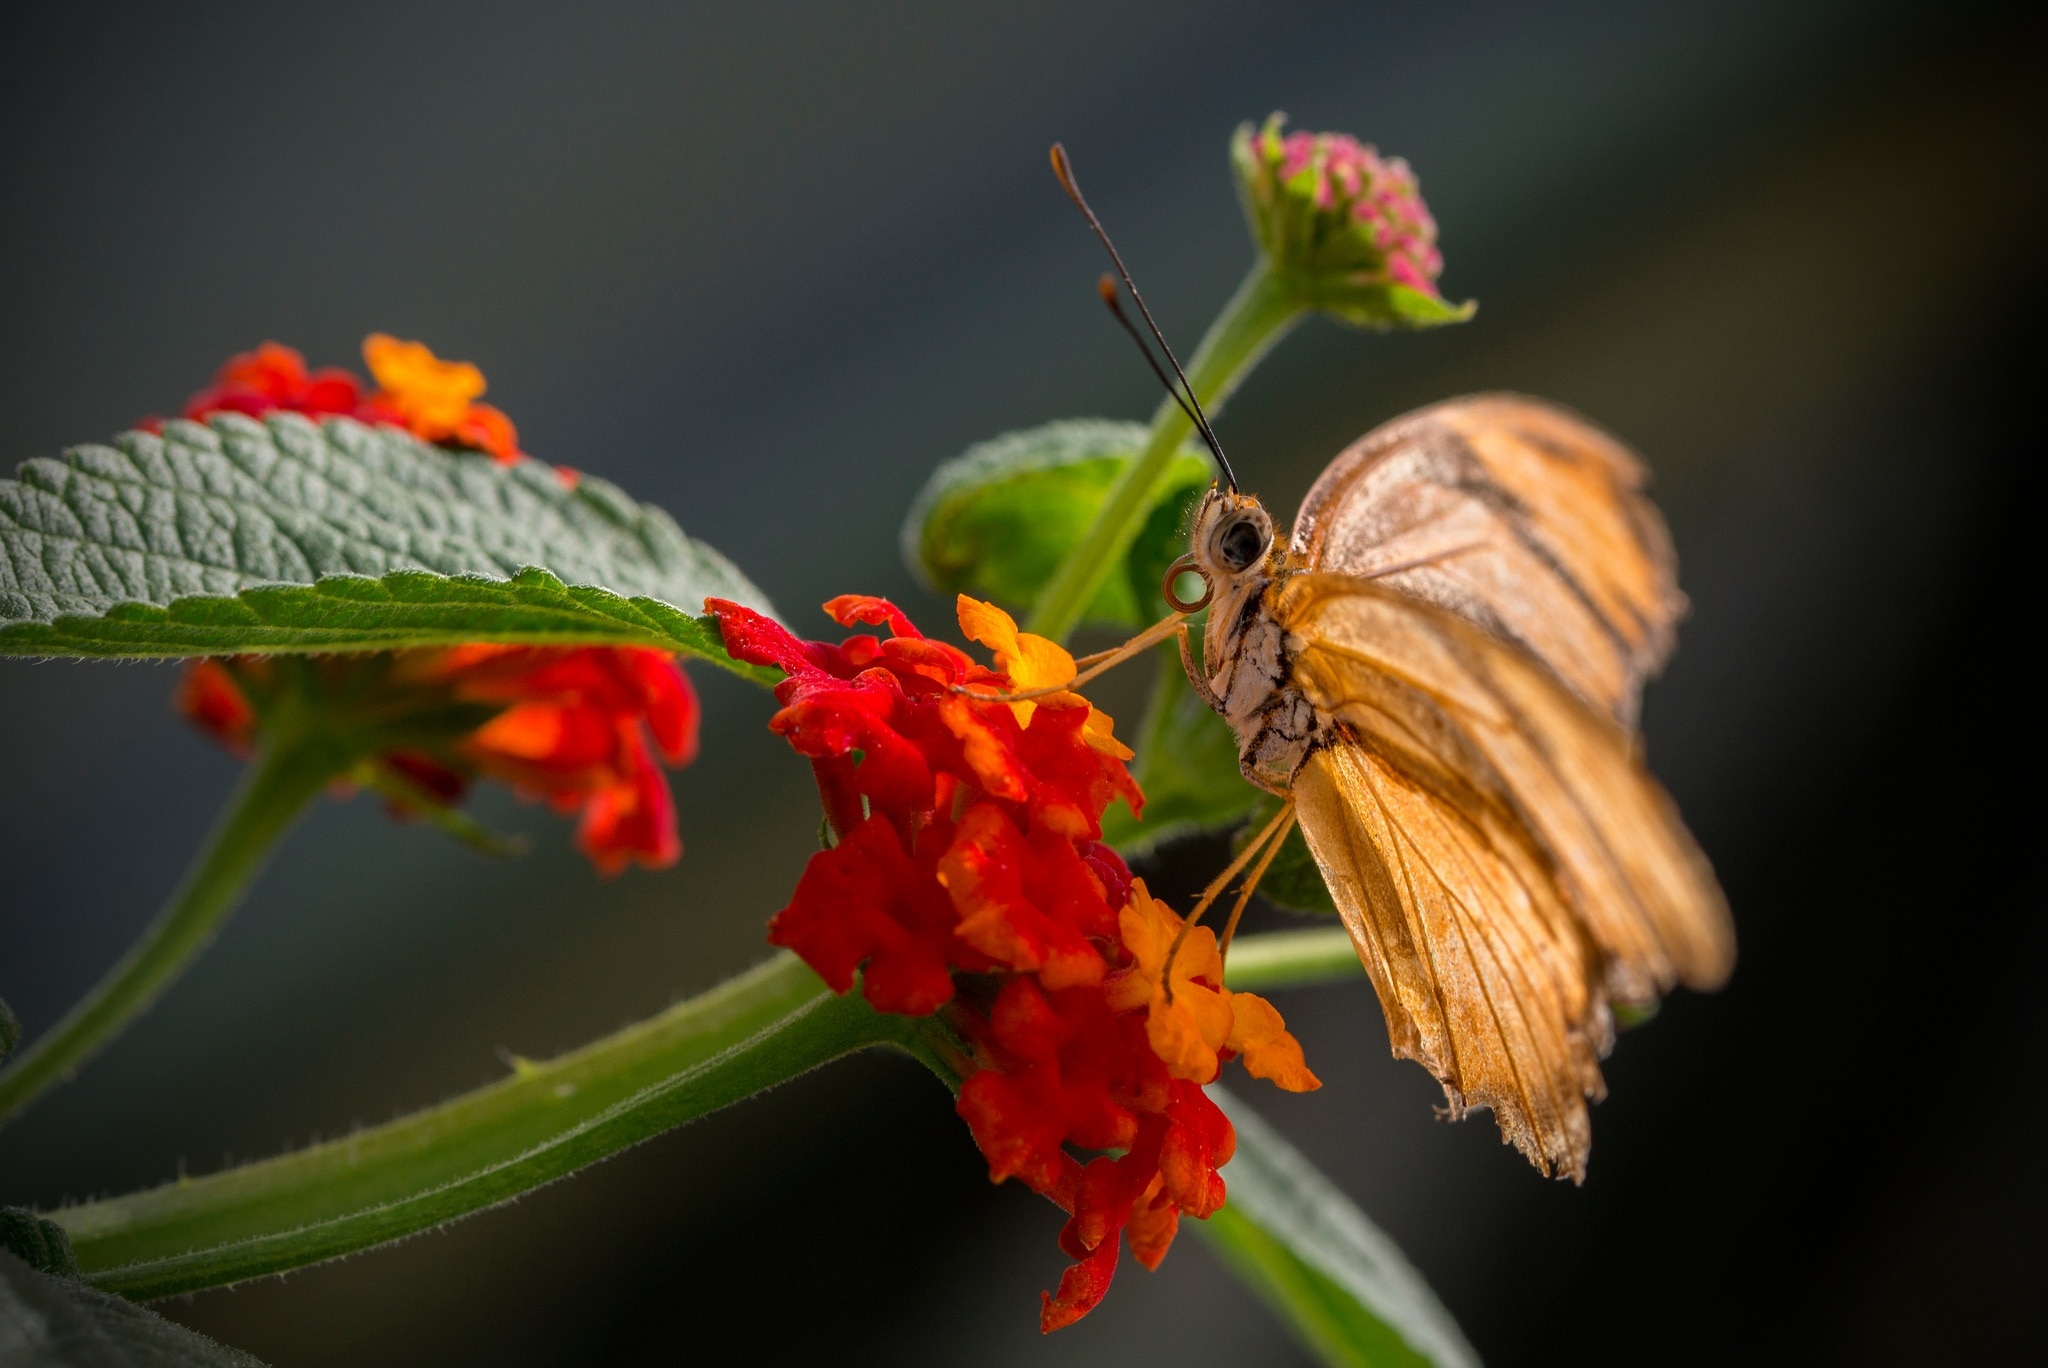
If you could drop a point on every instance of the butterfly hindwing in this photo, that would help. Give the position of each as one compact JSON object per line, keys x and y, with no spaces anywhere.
{"x":1451,"y":922}
{"x":1506,"y":865}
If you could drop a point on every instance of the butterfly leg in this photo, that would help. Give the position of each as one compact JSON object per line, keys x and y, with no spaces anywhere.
{"x":1096,"y":664}
{"x":1196,"y":679}
{"x":1244,"y":893}
{"x":1264,"y":841}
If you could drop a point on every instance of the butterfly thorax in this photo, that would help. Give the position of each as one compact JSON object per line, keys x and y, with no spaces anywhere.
{"x":1247,"y":656}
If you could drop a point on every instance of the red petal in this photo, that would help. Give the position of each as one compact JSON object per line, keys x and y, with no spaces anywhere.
{"x":848,"y":609}
{"x":859,"y":902}
{"x":209,"y":696}
{"x":633,"y":821}
{"x":1081,"y":1289}
{"x":669,"y":701}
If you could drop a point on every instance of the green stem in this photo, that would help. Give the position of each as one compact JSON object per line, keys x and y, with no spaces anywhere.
{"x":1291,"y":959}
{"x":545,"y":1121}
{"x":295,"y":764}
{"x":1257,"y":316}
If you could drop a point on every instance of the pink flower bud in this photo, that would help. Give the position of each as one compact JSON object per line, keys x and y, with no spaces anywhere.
{"x":1342,"y":226}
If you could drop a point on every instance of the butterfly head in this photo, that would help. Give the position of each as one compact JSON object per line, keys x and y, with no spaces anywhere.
{"x":1231,"y":548}
{"x":1233,"y":536}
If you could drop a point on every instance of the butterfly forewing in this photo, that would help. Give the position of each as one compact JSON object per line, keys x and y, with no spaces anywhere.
{"x":1520,"y":517}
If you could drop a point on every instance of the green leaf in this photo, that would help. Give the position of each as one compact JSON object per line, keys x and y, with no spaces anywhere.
{"x":1381,"y":306}
{"x":285,"y":536}
{"x":997,"y":521}
{"x":48,"y":1322}
{"x":1186,"y":765}
{"x":10,"y":1031}
{"x":1333,"y":1277}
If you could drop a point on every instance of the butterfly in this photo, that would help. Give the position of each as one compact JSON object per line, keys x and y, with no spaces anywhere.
{"x":1440,"y":671}
{"x":1439,"y":674}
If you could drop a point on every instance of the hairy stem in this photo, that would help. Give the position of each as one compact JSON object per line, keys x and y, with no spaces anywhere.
{"x":297,"y":761}
{"x":545,"y":1121}
{"x":1257,"y":316}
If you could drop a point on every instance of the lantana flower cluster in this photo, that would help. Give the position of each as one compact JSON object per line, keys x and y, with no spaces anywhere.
{"x":1330,"y":208}
{"x":575,"y":727}
{"x":433,"y":399}
{"x":966,"y":878}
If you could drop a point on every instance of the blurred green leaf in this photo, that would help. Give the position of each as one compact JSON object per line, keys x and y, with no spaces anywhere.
{"x":998,"y":520}
{"x":36,"y":1241}
{"x":1332,"y":1277}
{"x":1186,"y":765}
{"x":48,"y":1322}
{"x":10,"y":1031}
{"x":286,"y":536}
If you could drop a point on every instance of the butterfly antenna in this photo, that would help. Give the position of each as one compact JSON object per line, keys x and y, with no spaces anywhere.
{"x":1106,"y":287}
{"x":1191,"y":405}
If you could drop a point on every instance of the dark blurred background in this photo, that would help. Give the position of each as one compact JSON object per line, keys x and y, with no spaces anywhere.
{"x":766,"y":265}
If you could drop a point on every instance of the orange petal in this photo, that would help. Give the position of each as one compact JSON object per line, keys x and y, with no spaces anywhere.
{"x":1176,"y":1035}
{"x":1269,"y":1051}
{"x":1098,"y":735}
{"x":430,"y":392}
{"x":1031,"y":662}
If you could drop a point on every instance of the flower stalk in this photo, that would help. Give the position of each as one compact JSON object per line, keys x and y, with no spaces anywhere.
{"x":1257,"y":316}
{"x":543,"y":1122}
{"x":297,"y":760}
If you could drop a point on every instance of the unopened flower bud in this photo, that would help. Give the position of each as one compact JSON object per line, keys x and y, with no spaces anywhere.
{"x":1343,"y":227}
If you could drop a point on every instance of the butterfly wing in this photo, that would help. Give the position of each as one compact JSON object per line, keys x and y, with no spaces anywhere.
{"x":1517,"y":515}
{"x":1476,"y":981}
{"x":1505,"y":865}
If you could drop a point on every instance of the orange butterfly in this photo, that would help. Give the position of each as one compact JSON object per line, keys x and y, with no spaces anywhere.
{"x":1440,"y":671}
{"x":1440,"y":675}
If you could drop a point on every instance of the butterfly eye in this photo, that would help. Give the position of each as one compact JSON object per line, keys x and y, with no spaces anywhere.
{"x":1241,"y":544}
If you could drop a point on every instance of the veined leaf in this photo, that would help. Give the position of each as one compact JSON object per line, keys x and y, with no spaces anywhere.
{"x":997,"y":520}
{"x":281,"y":535}
{"x":48,"y":1322}
{"x":1333,"y":1277}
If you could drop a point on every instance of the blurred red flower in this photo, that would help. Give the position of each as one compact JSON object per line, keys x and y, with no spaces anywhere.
{"x":967,"y":875}
{"x":435,"y":400}
{"x":570,"y":726}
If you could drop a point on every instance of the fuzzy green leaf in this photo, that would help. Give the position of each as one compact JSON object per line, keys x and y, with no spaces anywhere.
{"x":1332,"y":1277}
{"x":1186,"y":766}
{"x":37,"y":1241}
{"x":48,"y":1322}
{"x":281,"y":535}
{"x":998,"y":520}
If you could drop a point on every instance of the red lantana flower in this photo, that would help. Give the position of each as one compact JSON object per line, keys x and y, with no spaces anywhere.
{"x":968,"y":877}
{"x":570,"y":726}
{"x":435,"y":400}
